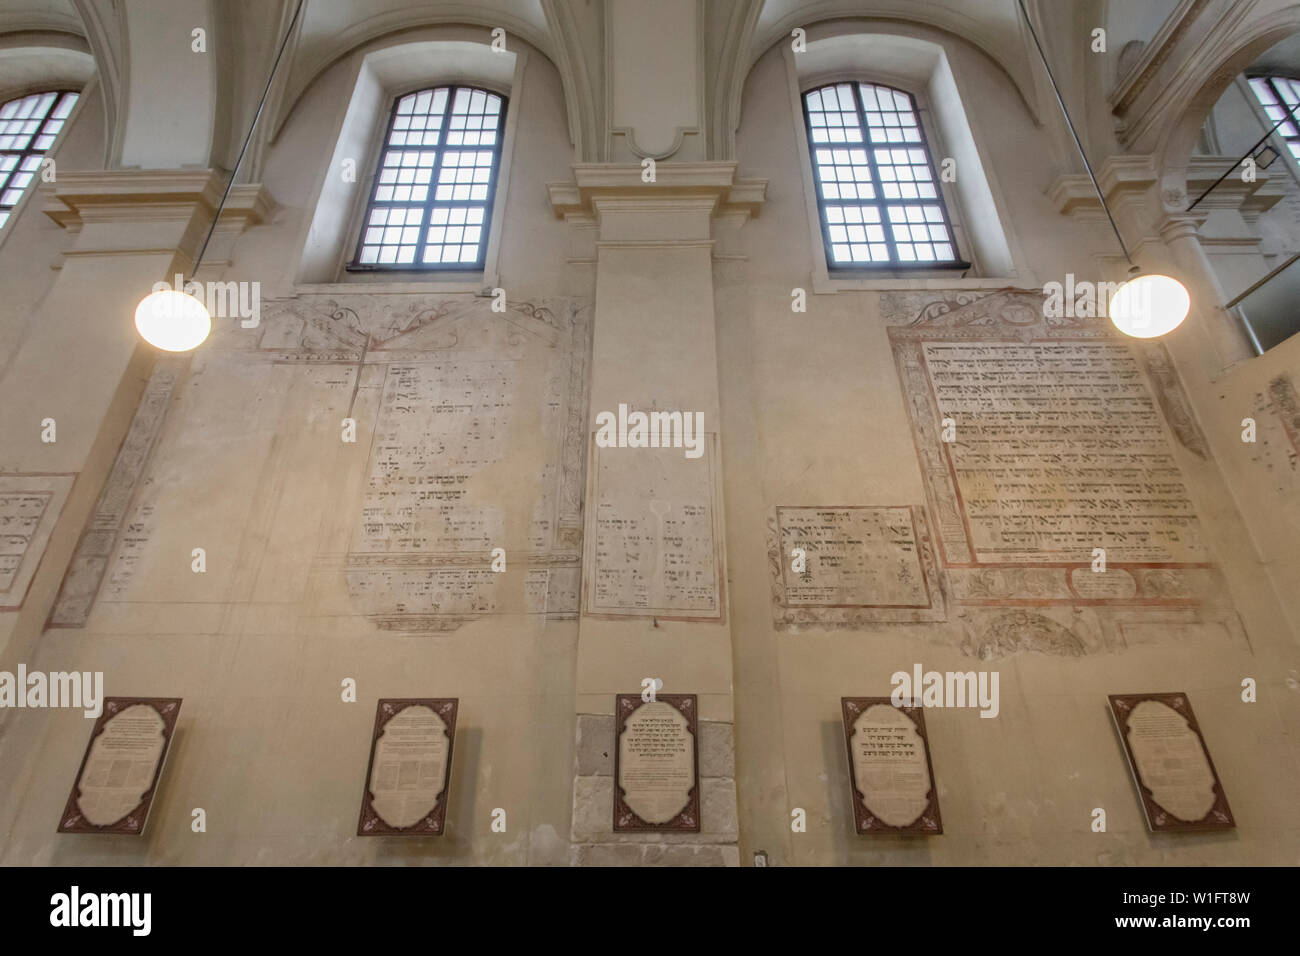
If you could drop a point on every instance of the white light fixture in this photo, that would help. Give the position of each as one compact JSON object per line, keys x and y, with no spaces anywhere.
{"x":172,"y":321}
{"x":1144,"y":306}
{"x":1147,"y":306}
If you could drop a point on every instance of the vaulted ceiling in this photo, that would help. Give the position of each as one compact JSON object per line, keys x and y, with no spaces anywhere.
{"x":1175,"y":54}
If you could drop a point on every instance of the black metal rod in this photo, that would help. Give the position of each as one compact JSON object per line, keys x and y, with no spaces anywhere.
{"x":1070,"y":123}
{"x":247,"y":139}
{"x":1260,"y":282}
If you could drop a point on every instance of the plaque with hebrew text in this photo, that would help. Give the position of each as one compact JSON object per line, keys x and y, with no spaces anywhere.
{"x":892,"y":781}
{"x":1171,"y":766}
{"x":410,"y":768}
{"x":656,"y":763}
{"x":119,"y":773}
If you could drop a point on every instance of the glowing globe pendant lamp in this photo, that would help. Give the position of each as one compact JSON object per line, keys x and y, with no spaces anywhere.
{"x":1147,"y":306}
{"x":1144,"y":306}
{"x":174,"y":320}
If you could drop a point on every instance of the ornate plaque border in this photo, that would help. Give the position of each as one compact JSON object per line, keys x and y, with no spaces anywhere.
{"x":929,"y":822}
{"x":433,"y":823}
{"x":135,"y":821}
{"x":688,"y":820}
{"x":1160,"y":820}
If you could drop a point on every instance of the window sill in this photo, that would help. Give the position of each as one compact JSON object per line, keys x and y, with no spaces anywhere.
{"x":407,"y":281}
{"x":929,"y":279}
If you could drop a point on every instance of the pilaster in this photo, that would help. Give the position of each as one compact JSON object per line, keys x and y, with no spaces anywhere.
{"x":131,"y":228}
{"x":654,"y":601}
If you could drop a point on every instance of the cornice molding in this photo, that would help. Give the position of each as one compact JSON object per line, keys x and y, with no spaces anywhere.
{"x":1120,"y":178}
{"x":1232,"y":193}
{"x":1123,"y":178}
{"x":151,"y":194}
{"x":675,"y":183}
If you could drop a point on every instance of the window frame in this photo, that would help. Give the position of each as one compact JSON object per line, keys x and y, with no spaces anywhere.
{"x":1277,"y":139}
{"x":368,"y":205}
{"x":894,"y":266}
{"x":60,"y":92}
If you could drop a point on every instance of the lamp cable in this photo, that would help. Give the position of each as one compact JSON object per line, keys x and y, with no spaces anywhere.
{"x":247,"y":139}
{"x":1074,"y":135}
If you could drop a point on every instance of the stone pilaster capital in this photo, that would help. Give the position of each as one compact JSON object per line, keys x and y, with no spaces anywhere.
{"x":147,"y":210}
{"x":677,"y":204}
{"x":1181,"y":225}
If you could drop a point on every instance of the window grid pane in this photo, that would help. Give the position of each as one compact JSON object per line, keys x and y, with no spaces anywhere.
{"x":1280,"y":98}
{"x":880,"y":204}
{"x":435,"y":183}
{"x":28,"y":128}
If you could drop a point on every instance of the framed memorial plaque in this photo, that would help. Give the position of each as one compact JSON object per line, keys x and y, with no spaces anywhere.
{"x":656,"y":763}
{"x":122,"y":765}
{"x":410,"y":767}
{"x":890,"y":776}
{"x":1171,"y":765}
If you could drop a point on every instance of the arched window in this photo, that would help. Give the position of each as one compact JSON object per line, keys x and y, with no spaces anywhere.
{"x":431,"y":202}
{"x":877,"y":191}
{"x":28,"y":128}
{"x":1280,"y":96}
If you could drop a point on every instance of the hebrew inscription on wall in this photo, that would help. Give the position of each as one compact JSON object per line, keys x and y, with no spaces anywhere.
{"x":1276,"y":449}
{"x":850,"y":565}
{"x":1171,"y":395}
{"x":29,"y":506}
{"x":109,"y":528}
{"x":472,"y":419}
{"x":439,"y":424}
{"x":1058,"y":449}
{"x":378,"y":451}
{"x":1055,"y":451}
{"x":655,"y":541}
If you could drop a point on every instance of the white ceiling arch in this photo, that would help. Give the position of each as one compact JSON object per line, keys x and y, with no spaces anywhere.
{"x":40,"y":16}
{"x":332,"y":29}
{"x":993,"y":26}
{"x":43,"y":45}
{"x":1189,"y":91}
{"x":140,"y":97}
{"x":41,"y":62}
